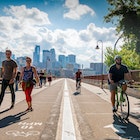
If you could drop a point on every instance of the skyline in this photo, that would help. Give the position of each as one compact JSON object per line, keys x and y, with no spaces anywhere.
{"x":68,"y":26}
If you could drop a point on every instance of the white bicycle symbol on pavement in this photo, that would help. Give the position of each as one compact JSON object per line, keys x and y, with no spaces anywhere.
{"x":22,"y":134}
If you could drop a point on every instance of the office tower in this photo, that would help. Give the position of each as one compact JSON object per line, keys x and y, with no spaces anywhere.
{"x":97,"y":67}
{"x":53,"y":55}
{"x":47,"y":60}
{"x":36,"y":56}
{"x":62,"y":61}
{"x":71,"y":59}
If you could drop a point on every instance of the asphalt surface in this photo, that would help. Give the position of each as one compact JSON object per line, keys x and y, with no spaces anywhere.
{"x":61,"y":114}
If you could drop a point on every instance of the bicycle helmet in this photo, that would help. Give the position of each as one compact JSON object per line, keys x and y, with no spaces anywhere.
{"x":117,"y":57}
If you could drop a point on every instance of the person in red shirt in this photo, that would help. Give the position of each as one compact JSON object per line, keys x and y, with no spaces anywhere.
{"x":78,"y":76}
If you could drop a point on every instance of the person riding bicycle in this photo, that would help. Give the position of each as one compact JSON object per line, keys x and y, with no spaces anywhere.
{"x":117,"y":72}
{"x":78,"y":76}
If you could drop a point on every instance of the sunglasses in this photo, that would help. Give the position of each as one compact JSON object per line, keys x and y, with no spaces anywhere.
{"x":8,"y":53}
{"x":28,"y":60}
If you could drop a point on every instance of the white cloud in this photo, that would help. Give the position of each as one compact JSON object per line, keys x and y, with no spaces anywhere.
{"x":20,"y":28}
{"x":76,"y":10}
{"x":28,"y":16}
{"x":21,"y":34}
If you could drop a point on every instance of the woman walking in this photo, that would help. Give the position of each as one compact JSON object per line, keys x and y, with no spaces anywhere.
{"x":27,"y":74}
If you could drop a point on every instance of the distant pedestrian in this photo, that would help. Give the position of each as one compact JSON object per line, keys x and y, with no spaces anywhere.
{"x":45,"y":76}
{"x":9,"y":69}
{"x":41,"y":77}
{"x":17,"y":80}
{"x":50,"y":78}
{"x":27,"y":76}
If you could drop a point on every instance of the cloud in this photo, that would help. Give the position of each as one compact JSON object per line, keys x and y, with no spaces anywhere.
{"x":76,"y":10}
{"x":28,"y":16}
{"x":20,"y":32}
{"x":21,"y":27}
{"x":100,"y":33}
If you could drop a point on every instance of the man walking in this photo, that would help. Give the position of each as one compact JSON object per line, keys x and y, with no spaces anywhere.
{"x":9,"y":70}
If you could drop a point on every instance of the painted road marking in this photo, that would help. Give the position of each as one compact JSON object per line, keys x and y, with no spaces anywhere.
{"x":116,"y":128}
{"x":68,"y":131}
{"x":25,"y":126}
{"x":22,"y":133}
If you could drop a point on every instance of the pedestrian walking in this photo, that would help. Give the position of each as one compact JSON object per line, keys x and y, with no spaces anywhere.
{"x":27,"y":80}
{"x":50,"y":78}
{"x":41,"y":77}
{"x":9,"y":70}
{"x":17,"y":80}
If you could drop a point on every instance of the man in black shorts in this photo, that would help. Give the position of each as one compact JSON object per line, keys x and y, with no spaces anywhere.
{"x":117,"y":72}
{"x":9,"y":70}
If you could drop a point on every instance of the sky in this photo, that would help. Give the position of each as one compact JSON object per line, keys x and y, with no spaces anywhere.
{"x":68,"y":26}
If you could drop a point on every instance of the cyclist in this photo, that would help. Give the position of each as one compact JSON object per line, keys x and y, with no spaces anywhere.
{"x":117,"y":72}
{"x":78,"y":76}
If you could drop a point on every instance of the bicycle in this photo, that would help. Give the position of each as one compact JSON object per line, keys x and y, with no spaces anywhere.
{"x":122,"y":101}
{"x":78,"y":86}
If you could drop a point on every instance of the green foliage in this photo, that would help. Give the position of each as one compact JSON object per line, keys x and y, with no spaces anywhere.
{"x":109,"y":56}
{"x":129,"y":57}
{"x":126,"y":15}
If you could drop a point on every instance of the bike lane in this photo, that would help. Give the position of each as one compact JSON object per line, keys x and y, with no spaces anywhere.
{"x":95,"y":118}
{"x":39,"y":124}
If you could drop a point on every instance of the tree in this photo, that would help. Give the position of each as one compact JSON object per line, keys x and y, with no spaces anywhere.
{"x":126,"y":16}
{"x":109,"y":56}
{"x":130,"y":58}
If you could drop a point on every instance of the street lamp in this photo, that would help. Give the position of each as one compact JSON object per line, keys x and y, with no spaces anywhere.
{"x":117,"y":41}
{"x":97,"y":47}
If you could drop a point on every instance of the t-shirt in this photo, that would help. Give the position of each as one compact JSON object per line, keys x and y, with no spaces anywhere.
{"x":78,"y":74}
{"x":9,"y":66}
{"x":41,"y":75}
{"x":118,"y":74}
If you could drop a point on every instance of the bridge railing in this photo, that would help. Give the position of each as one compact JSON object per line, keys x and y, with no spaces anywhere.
{"x":133,"y":89}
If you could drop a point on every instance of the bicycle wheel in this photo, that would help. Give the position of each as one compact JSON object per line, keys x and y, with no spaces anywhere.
{"x":78,"y":88}
{"x":124,"y":105}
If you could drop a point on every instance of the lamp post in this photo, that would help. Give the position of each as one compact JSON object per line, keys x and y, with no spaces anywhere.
{"x":117,"y":41}
{"x":97,"y":47}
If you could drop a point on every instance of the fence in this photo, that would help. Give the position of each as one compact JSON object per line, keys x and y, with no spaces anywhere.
{"x":133,"y":89}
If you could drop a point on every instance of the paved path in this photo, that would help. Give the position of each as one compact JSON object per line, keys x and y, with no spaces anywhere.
{"x":60,"y":115}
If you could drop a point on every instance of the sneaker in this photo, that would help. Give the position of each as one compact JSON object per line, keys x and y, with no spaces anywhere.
{"x":29,"y":109}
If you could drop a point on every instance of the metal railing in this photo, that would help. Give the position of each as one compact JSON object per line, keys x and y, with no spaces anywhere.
{"x":133,"y":89}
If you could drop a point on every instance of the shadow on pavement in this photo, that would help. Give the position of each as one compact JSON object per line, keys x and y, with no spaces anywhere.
{"x":11,"y":119}
{"x":76,"y":93}
{"x":5,"y":110}
{"x":135,"y":115}
{"x":125,"y":128}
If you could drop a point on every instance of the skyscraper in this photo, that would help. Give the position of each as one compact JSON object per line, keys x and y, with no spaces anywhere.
{"x":62,"y":60}
{"x":36,"y":55}
{"x":72,"y":59}
{"x":53,"y":55}
{"x":46,"y":59}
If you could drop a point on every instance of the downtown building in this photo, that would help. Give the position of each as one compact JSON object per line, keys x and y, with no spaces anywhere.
{"x":97,"y":68}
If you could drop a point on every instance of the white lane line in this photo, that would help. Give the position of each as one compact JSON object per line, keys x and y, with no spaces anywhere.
{"x":68,"y":131}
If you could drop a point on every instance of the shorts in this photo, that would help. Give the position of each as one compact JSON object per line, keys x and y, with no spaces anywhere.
{"x":113,"y":86}
{"x":78,"y":79}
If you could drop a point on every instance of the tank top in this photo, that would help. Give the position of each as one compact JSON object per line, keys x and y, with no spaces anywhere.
{"x":28,"y":74}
